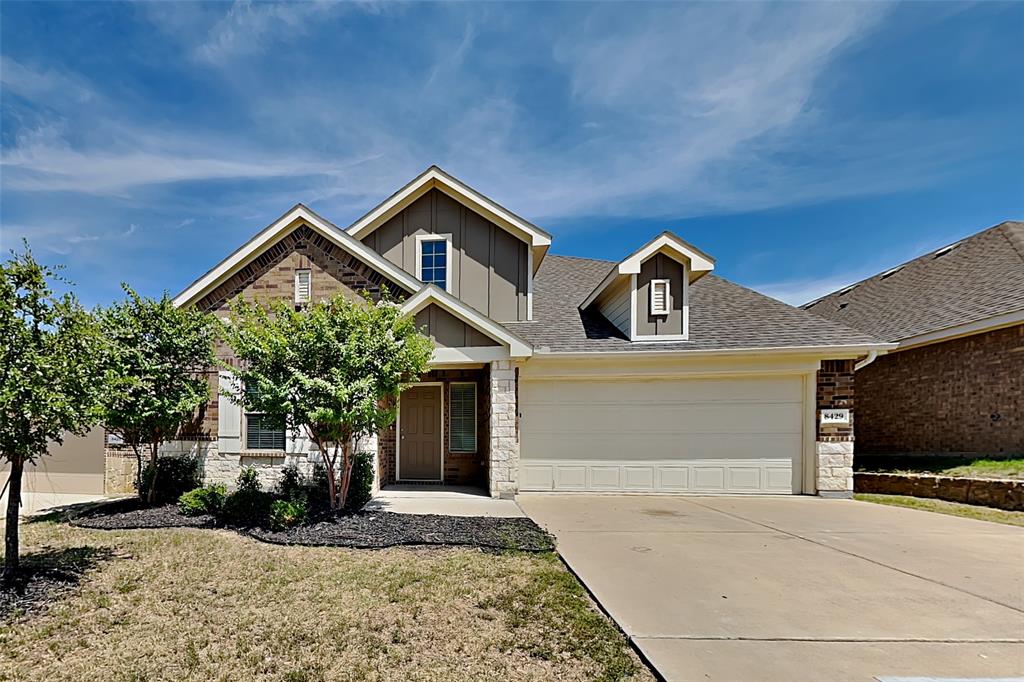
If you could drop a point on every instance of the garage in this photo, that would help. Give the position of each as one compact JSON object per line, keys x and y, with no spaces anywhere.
{"x":738,"y":435}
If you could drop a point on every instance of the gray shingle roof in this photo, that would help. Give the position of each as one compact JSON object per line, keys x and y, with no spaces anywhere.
{"x":723,"y":315}
{"x":981,"y":277}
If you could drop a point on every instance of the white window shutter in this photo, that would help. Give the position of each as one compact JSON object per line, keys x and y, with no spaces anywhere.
{"x":303,"y":285}
{"x":229,"y":415}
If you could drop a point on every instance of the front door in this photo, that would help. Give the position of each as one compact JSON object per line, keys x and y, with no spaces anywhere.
{"x":419,"y":434}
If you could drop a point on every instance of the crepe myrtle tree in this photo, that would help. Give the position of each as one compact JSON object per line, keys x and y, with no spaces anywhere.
{"x":154,"y":373}
{"x":48,"y":376}
{"x":333,"y":370}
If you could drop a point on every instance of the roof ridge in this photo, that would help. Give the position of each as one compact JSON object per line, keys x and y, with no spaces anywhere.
{"x":1009,"y":235}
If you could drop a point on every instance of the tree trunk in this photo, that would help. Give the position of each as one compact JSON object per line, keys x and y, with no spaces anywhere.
{"x":151,"y":497}
{"x":138,"y":471}
{"x":11,"y":559}
{"x":346,"y":471}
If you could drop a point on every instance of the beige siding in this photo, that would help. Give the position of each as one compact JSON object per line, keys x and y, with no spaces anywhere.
{"x":614,"y":304}
{"x":449,"y":331}
{"x":489,"y":269}
{"x":75,"y":467}
{"x":660,"y":266}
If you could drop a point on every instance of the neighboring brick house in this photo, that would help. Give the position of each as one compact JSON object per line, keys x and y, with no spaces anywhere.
{"x":649,"y":374}
{"x":955,"y":382}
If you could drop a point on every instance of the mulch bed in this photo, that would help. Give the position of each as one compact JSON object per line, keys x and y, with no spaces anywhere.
{"x":371,"y":530}
{"x":362,"y":530}
{"x":46,"y":576}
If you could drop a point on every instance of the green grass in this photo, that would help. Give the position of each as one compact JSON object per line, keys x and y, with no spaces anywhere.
{"x":188,"y":604}
{"x":982,"y":467}
{"x":969,"y":511}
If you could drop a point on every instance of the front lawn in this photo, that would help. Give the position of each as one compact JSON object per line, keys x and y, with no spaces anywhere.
{"x":214,"y":605}
{"x":970,"y":511}
{"x":942,"y":465}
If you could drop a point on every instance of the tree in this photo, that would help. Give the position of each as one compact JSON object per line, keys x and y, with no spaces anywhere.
{"x":48,"y":375}
{"x":334,"y":370}
{"x":154,"y":370}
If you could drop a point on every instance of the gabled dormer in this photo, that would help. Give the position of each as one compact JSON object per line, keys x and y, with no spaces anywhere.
{"x":445,"y":233}
{"x":646,"y":296}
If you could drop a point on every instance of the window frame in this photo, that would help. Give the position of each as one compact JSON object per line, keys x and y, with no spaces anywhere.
{"x":309,"y":291}
{"x":667,"y":308}
{"x":420,"y":239}
{"x":245,"y":424}
{"x":476,"y":429}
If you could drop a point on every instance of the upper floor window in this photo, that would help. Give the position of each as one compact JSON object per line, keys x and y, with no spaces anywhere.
{"x":432,"y":260}
{"x":659,"y":297}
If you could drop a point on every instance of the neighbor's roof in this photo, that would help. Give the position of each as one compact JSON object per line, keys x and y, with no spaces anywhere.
{"x":977,"y":278}
{"x":723,"y":316}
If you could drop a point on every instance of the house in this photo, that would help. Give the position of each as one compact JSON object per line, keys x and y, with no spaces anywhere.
{"x":954,"y":383}
{"x":649,"y":374}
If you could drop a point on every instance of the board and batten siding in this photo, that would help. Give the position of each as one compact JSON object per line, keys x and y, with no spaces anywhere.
{"x":660,"y":266}
{"x":614,"y":304}
{"x":490,"y":268}
{"x":449,"y":331}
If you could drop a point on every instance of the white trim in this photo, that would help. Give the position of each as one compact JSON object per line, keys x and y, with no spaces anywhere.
{"x":420,"y":238}
{"x":665,"y":308}
{"x":398,"y":433}
{"x":309,"y":285}
{"x":809,"y":460}
{"x":837,"y":352}
{"x":430,"y":293}
{"x":652,"y":338}
{"x":529,"y":285}
{"x":279,"y":228}
{"x":988,"y":324}
{"x":471,"y":354}
{"x":632,"y":308}
{"x":476,"y":435}
{"x":434,"y":177}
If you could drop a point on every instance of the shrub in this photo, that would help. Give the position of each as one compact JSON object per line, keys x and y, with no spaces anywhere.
{"x":361,"y":487}
{"x":248,"y":505}
{"x":287,"y":513}
{"x":291,"y":486}
{"x":205,"y":500}
{"x":175,"y":476}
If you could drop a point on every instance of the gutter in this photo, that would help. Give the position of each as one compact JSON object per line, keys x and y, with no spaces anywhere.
{"x":651,"y":350}
{"x":872,"y":356}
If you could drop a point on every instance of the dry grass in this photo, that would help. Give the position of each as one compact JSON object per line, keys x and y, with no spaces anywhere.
{"x":210,"y":605}
{"x":970,"y":511}
{"x":943,"y":465}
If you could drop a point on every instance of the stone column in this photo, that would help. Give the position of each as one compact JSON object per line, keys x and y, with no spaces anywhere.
{"x":834,"y":447}
{"x":503,"y":469}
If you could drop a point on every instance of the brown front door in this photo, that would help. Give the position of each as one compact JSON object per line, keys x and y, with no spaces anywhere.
{"x":419,"y":425}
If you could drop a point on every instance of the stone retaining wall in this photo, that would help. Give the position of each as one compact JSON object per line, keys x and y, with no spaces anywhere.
{"x":1000,"y":493}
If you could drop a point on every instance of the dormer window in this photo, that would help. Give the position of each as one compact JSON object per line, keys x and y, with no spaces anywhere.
{"x":660,"y":292}
{"x":433,"y":258}
{"x":303,"y":285}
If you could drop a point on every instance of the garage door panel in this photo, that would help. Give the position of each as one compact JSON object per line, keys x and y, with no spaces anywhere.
{"x":696,"y":436}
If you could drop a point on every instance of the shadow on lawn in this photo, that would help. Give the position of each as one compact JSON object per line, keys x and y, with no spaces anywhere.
{"x":46,"y":576}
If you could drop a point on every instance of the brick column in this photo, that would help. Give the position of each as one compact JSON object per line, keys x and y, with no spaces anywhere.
{"x":503,"y":469}
{"x":834,"y":445}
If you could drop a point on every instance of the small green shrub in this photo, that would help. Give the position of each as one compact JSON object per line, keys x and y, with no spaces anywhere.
{"x":174,"y":476}
{"x":206,"y":500}
{"x":248,"y":505}
{"x":288,"y":513}
{"x":360,"y":488}
{"x":292,"y":486}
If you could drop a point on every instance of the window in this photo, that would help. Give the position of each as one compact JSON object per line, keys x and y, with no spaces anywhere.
{"x":303,"y":285}
{"x":659,"y":297}
{"x":432,"y":267}
{"x":262,"y":432}
{"x":462,"y":417}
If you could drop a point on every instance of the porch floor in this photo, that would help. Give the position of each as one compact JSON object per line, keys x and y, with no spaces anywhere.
{"x":445,"y":500}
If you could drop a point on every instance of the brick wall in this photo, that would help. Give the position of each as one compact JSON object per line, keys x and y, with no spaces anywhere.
{"x":835,"y":391}
{"x":960,"y":396}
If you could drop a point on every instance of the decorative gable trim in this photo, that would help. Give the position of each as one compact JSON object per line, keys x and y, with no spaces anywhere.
{"x":434,"y":177}
{"x":514,"y":346}
{"x":297,"y":216}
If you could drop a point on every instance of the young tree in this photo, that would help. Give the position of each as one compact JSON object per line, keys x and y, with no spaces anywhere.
{"x":334,"y":370}
{"x":48,"y":376}
{"x":154,"y":366}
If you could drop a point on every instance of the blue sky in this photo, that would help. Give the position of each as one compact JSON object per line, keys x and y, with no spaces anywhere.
{"x":804,"y":146}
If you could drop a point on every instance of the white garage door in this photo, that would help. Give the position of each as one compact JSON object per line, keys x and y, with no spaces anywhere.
{"x":683,"y":436}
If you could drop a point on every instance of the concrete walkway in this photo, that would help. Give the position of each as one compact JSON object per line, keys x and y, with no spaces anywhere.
{"x":443,"y":500}
{"x":33,"y":503}
{"x":799,"y":588}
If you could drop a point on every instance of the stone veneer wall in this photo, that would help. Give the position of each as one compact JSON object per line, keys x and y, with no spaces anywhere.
{"x":504,"y":420}
{"x":834,"y":446}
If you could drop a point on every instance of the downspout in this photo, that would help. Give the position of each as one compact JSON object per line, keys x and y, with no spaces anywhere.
{"x":866,"y":361}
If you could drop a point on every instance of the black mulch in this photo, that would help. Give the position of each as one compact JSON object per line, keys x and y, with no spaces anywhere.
{"x":46,"y":576}
{"x":129,"y":514}
{"x":387,"y":529}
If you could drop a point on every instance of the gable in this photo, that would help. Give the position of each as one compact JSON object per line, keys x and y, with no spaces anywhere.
{"x":300,"y":223}
{"x":448,"y":331}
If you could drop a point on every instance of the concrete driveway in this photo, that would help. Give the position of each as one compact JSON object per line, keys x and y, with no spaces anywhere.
{"x":797,"y":588}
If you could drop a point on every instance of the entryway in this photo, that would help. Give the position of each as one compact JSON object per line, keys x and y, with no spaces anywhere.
{"x":420,"y":431}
